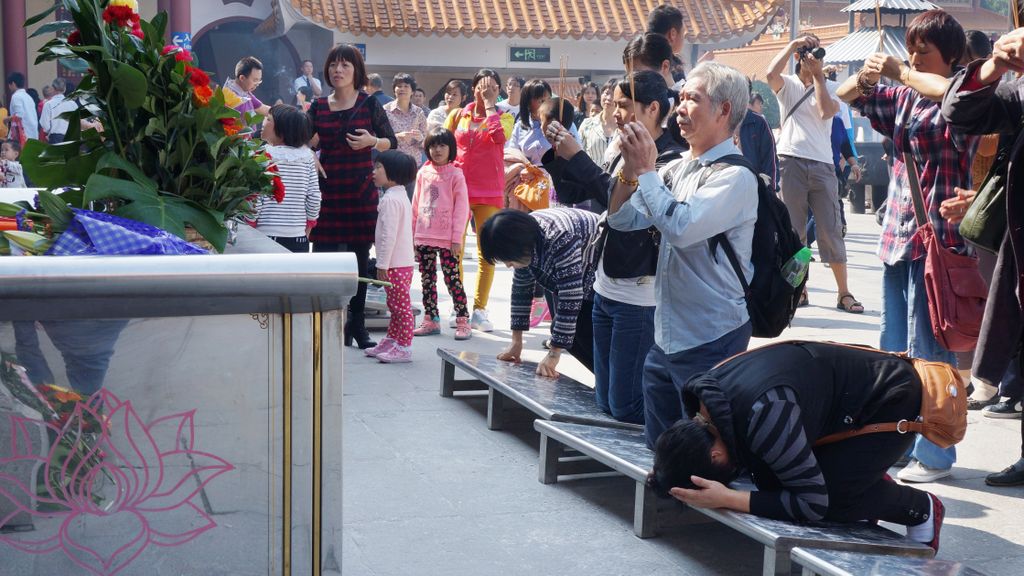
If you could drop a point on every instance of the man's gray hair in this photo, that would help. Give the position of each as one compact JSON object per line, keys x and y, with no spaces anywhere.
{"x":725,"y":84}
{"x":59,"y":84}
{"x":375,"y":81}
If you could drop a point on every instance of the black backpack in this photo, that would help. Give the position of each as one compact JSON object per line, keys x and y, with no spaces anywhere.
{"x":771,"y":300}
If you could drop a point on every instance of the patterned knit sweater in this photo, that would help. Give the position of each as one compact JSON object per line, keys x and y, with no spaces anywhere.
{"x":562,"y":265}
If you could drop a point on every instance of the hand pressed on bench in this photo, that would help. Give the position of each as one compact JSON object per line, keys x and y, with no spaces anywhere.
{"x":712,"y":494}
{"x":545,"y":367}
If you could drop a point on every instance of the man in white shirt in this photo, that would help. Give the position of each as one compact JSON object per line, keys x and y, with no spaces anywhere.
{"x":50,"y":120}
{"x":701,"y":316}
{"x":806,"y":173}
{"x":307,"y":79}
{"x":22,"y":105}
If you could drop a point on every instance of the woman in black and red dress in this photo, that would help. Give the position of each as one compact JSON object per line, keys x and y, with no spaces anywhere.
{"x":348,"y":125}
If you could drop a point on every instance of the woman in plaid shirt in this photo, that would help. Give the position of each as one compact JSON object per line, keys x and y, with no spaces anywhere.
{"x":910,"y":114}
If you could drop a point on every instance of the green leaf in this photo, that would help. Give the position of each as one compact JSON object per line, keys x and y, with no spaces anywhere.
{"x":54,"y":166}
{"x":58,"y":211}
{"x":167,"y":212}
{"x":159,"y":23}
{"x":129,"y":82}
{"x":53,"y":28}
{"x":30,"y":241}
{"x":116,"y":162}
{"x":76,"y":65}
{"x":41,"y":16}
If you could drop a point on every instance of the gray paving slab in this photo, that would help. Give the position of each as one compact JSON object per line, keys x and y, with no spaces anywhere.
{"x":432,"y":492}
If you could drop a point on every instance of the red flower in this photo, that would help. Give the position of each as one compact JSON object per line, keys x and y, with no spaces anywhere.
{"x":278,"y":190}
{"x":120,"y":15}
{"x":180,"y":54}
{"x":197,"y":77}
{"x":231,"y":126}
{"x":138,"y":33}
{"x":75,"y":38}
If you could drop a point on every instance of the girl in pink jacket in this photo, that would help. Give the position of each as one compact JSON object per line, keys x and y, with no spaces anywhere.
{"x":391,"y":171}
{"x":440,"y":212}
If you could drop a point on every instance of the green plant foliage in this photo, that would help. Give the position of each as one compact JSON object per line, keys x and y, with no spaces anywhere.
{"x":771,"y":104}
{"x":164,"y":148}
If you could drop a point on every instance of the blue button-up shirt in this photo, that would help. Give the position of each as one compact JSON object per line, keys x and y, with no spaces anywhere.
{"x":700,"y":299}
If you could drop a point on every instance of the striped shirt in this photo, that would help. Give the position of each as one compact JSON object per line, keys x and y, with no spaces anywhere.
{"x":776,"y":435}
{"x":297,"y":169}
{"x":562,"y":265}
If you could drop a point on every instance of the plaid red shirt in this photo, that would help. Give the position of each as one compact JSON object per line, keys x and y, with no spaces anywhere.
{"x":943,"y":160}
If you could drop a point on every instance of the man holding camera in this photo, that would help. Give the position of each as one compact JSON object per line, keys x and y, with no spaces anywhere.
{"x":807,"y":175}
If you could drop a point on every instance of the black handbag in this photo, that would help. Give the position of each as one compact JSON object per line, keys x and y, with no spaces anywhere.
{"x":984,"y":224}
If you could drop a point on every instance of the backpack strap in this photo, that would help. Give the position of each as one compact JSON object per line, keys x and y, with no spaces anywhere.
{"x":720,"y":239}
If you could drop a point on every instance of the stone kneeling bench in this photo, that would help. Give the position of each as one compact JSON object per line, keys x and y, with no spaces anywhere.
{"x":816,"y":561}
{"x":625,"y":452}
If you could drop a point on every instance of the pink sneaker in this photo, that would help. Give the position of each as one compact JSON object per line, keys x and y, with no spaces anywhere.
{"x":938,"y":515}
{"x":396,"y":354}
{"x":538,"y":312}
{"x":462,"y":329}
{"x":429,"y":327}
{"x":385,"y":345}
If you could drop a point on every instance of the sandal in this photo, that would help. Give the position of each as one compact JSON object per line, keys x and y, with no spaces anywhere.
{"x":854,"y":307}
{"x":803,"y":300}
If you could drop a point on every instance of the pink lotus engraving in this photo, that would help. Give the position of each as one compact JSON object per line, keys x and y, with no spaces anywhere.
{"x":111,"y":485}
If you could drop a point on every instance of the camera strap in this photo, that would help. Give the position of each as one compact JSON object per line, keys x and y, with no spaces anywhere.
{"x":807,"y":94}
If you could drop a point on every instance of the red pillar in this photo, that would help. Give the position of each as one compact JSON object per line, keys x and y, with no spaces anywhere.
{"x":15,"y":39}
{"x":181,"y":16}
{"x":165,"y":6}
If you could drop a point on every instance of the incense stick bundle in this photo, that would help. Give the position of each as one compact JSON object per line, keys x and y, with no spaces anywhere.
{"x":632,"y":89}
{"x":878,"y":22}
{"x":563,"y":62}
{"x":1015,"y":6}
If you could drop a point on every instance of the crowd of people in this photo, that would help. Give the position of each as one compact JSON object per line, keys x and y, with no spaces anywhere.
{"x":609,"y":207}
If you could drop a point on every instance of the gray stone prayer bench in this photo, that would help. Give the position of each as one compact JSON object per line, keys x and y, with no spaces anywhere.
{"x":815,"y":561}
{"x":625,"y":452}
{"x":560,"y":399}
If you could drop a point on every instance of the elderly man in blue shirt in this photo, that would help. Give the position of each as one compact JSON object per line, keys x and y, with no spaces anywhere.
{"x":701,"y":316}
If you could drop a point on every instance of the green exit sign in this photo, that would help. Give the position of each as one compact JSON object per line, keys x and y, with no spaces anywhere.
{"x":524,"y":54}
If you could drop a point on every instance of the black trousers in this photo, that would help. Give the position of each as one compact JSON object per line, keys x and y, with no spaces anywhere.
{"x":299,"y":245}
{"x":583,"y":344}
{"x":357,"y":305}
{"x":1001,"y":329}
{"x":855,"y":469}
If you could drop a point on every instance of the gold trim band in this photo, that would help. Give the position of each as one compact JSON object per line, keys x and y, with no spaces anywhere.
{"x":286,"y":472}
{"x":318,"y":413}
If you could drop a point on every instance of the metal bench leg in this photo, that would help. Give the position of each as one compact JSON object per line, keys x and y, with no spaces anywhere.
{"x":495,"y":409}
{"x":807,"y":572}
{"x":447,"y":379}
{"x":550,"y":452}
{"x":776,"y":563}
{"x":645,"y":512}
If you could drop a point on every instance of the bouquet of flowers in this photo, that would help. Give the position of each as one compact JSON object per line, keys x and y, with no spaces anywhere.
{"x":151,"y":140}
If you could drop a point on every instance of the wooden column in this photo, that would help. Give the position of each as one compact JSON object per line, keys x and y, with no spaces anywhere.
{"x":15,"y":44}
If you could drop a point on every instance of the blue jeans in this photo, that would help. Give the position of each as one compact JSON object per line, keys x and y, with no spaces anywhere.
{"x":665,"y":375}
{"x":623,"y":334}
{"x":906,"y":326}
{"x":86,"y":346}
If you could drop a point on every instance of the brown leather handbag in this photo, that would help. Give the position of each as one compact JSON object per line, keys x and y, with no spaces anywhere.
{"x":943,"y":418}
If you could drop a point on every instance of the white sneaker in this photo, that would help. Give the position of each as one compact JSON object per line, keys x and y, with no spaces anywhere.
{"x":917,"y":472}
{"x":481,"y":322}
{"x":452,"y":319}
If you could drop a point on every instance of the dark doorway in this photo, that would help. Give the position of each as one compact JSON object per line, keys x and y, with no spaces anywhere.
{"x":222,"y":46}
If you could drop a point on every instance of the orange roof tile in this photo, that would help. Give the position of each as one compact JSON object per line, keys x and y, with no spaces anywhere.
{"x":703,"y":20}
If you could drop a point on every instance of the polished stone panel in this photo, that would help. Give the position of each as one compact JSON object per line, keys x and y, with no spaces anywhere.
{"x":837,"y":563}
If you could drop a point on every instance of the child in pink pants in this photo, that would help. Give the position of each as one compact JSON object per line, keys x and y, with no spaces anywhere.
{"x":395,"y":258}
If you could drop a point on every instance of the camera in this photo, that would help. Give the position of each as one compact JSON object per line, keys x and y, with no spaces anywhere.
{"x":818,"y":53}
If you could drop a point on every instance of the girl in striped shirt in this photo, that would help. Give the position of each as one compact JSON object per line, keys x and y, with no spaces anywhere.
{"x":286,"y":130}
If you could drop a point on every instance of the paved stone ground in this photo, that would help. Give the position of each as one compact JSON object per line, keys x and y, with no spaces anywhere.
{"x":430,"y":491}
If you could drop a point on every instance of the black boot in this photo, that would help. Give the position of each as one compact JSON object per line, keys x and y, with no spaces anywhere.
{"x":355,"y":330}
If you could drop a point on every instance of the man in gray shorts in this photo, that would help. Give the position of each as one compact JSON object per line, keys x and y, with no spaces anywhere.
{"x":807,"y":175}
